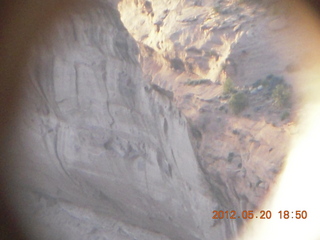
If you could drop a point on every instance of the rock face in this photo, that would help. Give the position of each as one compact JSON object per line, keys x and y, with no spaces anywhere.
{"x":125,"y":132}
{"x":191,"y":48}
{"x":103,"y":154}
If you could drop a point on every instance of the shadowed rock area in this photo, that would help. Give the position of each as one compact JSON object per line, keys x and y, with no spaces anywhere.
{"x":103,"y":154}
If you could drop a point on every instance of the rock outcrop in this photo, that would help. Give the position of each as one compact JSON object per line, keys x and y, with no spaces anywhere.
{"x":191,"y":48}
{"x":126,"y":132}
{"x":102,"y":154}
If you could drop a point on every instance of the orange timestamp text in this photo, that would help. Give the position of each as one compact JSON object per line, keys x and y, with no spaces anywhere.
{"x":263,"y":214}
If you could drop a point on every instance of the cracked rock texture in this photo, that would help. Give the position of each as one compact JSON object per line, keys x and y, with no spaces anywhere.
{"x":101,"y":153}
{"x":125,"y":132}
{"x":190,"y":48}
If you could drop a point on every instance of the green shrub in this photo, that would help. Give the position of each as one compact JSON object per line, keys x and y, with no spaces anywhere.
{"x":216,"y":9}
{"x":281,"y":95}
{"x":238,"y":102}
{"x":228,"y":86}
{"x":285,"y":115}
{"x":197,"y":82}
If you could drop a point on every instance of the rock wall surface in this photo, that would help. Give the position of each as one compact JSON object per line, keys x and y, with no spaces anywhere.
{"x":101,"y":153}
{"x":191,"y":48}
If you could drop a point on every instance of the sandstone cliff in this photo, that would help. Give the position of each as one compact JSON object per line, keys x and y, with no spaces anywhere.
{"x":125,"y":132}
{"x":102,"y":153}
{"x":191,"y":48}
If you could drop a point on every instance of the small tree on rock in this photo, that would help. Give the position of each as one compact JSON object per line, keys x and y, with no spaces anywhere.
{"x":228,"y":86}
{"x":281,"y":95}
{"x":238,"y":102}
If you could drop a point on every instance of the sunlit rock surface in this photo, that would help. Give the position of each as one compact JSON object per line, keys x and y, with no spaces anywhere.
{"x":102,"y":153}
{"x":190,"y":48}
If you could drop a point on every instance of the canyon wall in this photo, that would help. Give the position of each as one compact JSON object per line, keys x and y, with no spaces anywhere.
{"x":102,"y":153}
{"x":126,"y":132}
{"x":192,"y":48}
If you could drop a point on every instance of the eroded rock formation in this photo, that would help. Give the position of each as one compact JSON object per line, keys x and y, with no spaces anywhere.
{"x":102,"y":154}
{"x":104,"y":148}
{"x":190,"y":48}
